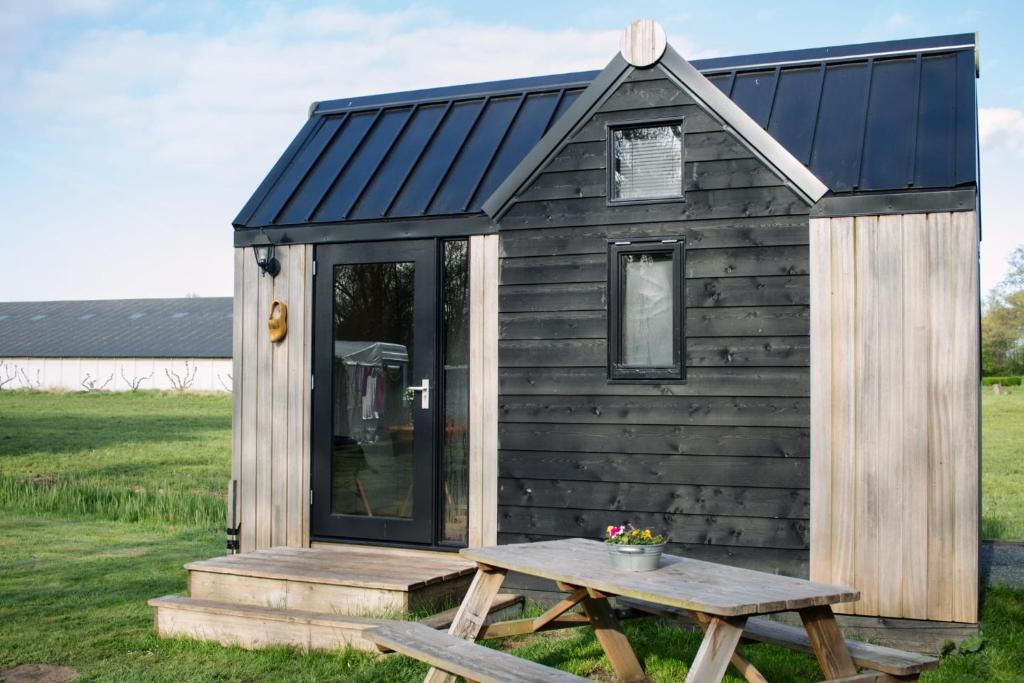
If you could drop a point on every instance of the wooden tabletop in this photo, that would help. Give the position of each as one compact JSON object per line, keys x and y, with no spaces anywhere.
{"x":680,"y":582}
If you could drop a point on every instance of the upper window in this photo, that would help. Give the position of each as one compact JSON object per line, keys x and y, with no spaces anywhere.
{"x":645,"y":323}
{"x":646,"y":162}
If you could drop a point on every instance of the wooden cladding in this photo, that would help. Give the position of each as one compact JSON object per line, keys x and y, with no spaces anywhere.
{"x":720,"y":460}
{"x":483,"y":390}
{"x":271,"y":412}
{"x":894,"y":412}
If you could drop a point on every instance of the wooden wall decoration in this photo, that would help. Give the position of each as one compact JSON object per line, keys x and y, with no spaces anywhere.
{"x":277,"y":323}
{"x":643,"y":43}
{"x":271,"y":411}
{"x":895,"y":412}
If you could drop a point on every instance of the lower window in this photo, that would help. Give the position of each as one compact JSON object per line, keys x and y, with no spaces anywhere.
{"x":645,"y":310}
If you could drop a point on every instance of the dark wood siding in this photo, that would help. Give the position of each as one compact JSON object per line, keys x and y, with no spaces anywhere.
{"x":719,"y":462}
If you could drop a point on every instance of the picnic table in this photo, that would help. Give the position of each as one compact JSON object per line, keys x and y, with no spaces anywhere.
{"x":717,"y":598}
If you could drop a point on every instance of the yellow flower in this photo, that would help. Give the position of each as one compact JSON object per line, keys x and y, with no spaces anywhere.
{"x":647,"y":533}
{"x":609,"y":530}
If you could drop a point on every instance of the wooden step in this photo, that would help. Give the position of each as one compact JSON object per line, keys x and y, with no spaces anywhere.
{"x":363,"y":582}
{"x":254,"y":627}
{"x":463,"y":657}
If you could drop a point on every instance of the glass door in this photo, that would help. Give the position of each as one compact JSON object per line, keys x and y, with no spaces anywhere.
{"x":376,"y":393}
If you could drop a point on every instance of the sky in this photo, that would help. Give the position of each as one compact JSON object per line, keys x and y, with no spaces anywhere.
{"x":131,"y":133}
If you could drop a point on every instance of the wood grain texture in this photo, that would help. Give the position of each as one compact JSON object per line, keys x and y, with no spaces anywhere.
{"x":280,"y":422}
{"x":454,"y":656}
{"x":741,"y":663}
{"x":751,"y":231}
{"x":613,"y":641}
{"x":789,"y":503}
{"x":253,"y":627}
{"x":679,"y":582}
{"x":894,"y":418}
{"x":272,"y":402}
{"x":472,"y":614}
{"x":741,"y":417}
{"x":716,"y":649}
{"x":483,"y":389}
{"x":708,"y":381}
{"x":247,"y":400}
{"x":827,"y":642}
{"x":762,"y":630}
{"x":237,"y":428}
{"x":643,"y":42}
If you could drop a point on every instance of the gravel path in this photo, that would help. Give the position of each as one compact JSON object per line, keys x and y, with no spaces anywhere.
{"x":1002,"y":564}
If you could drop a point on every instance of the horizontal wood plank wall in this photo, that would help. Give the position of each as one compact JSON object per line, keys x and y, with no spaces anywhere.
{"x":271,"y":412}
{"x":719,"y":462}
{"x":483,"y":390}
{"x":894,"y":422}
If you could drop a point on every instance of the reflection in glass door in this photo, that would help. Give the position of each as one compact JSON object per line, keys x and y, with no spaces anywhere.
{"x":374,"y":351}
{"x":390,"y":399}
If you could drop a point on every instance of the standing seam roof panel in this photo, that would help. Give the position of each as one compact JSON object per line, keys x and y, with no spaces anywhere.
{"x":362,"y":165}
{"x":530,"y":125}
{"x":470,"y":165}
{"x":889,"y":136}
{"x":317,"y":181}
{"x":936,"y":122}
{"x":858,"y":116}
{"x":392,"y":170}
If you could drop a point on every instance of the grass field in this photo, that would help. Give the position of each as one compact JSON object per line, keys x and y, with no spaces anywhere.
{"x":105,"y":496}
{"x":1002,"y":465}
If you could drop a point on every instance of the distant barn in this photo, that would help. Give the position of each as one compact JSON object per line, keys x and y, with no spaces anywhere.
{"x":116,"y":345}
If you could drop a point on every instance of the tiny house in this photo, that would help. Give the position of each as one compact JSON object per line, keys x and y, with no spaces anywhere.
{"x":734,"y":299}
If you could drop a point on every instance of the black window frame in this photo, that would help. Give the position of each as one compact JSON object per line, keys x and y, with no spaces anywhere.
{"x":612,"y":127}
{"x":622,"y":374}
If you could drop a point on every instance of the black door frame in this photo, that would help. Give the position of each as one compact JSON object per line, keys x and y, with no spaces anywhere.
{"x":420,"y":529}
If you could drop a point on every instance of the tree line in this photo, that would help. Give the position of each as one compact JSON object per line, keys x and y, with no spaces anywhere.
{"x":1002,"y":322}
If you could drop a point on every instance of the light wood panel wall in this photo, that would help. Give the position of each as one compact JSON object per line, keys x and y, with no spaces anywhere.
{"x":895,"y":413}
{"x":483,"y":390}
{"x":271,"y":418}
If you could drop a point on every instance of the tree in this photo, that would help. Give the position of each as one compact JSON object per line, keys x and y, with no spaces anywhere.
{"x":1014,"y":279}
{"x":1002,"y":326}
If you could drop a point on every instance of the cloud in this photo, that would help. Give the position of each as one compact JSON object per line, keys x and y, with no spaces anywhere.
{"x":153,"y":135}
{"x":17,"y":14}
{"x":199,"y":100}
{"x":1001,"y":128}
{"x":896,"y":21}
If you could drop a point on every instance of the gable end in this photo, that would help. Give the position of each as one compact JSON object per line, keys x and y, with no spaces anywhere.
{"x":691,"y":82}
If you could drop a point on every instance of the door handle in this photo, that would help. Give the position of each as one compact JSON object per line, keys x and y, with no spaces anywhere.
{"x":425,"y":395}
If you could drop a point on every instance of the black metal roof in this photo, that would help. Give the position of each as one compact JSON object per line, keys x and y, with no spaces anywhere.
{"x":886,"y":116}
{"x":119,"y":328}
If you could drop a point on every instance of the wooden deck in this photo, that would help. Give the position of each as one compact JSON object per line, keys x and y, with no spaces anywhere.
{"x":313,"y":598}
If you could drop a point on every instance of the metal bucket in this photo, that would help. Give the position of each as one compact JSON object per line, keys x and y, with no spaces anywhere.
{"x":635,"y":558}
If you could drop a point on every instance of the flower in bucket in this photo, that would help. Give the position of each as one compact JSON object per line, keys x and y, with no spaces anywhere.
{"x":627,"y":534}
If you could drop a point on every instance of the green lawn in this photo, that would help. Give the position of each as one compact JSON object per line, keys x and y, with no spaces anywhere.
{"x":1002,"y":466}
{"x":75,"y":576}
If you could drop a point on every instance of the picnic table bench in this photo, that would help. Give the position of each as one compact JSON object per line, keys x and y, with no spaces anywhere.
{"x":723,"y":601}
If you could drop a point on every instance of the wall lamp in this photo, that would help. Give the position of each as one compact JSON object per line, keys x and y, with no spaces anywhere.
{"x":264,"y":254}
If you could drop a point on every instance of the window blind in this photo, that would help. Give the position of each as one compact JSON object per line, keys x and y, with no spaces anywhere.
{"x":648,"y":162}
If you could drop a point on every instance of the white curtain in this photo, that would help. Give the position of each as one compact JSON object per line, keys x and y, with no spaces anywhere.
{"x":647,"y":310}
